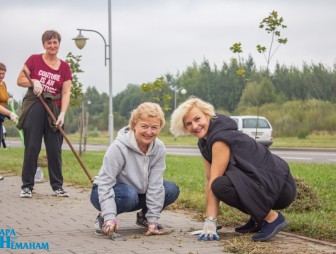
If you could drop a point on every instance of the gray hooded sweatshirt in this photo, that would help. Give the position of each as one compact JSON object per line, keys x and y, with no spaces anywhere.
{"x":125,"y":163}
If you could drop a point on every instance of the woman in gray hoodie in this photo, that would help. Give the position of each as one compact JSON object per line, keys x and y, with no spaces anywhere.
{"x":131,"y":177}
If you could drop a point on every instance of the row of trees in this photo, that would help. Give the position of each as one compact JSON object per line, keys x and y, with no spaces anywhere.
{"x":226,"y":90}
{"x":222,"y":86}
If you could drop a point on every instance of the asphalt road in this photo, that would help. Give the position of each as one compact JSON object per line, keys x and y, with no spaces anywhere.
{"x":298,"y":155}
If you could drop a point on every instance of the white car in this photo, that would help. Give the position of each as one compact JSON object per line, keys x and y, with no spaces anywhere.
{"x":262,"y":132}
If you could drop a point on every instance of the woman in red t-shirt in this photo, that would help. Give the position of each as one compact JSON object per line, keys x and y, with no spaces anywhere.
{"x":52,"y":78}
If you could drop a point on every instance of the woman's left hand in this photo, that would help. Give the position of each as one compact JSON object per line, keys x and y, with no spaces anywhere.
{"x":110,"y":226}
{"x":60,"y":119}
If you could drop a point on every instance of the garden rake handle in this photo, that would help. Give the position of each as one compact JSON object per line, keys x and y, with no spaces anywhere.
{"x":60,"y":129}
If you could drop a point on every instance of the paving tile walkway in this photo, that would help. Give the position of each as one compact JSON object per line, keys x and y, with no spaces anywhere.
{"x":66,"y":225}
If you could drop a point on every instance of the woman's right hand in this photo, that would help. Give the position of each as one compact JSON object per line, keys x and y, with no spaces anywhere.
{"x":37,"y":88}
{"x":13,"y":117}
{"x":209,"y":231}
{"x":110,"y":226}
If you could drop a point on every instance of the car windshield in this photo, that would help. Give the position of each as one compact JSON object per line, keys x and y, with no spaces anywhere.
{"x":252,"y":123}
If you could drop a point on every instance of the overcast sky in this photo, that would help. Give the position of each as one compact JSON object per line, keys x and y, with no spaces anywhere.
{"x":154,"y":37}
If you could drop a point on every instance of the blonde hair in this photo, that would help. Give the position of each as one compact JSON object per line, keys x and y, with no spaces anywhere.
{"x":146,"y":110}
{"x":177,"y":127}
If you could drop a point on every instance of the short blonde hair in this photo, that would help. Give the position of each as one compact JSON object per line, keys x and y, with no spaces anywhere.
{"x":177,"y":127}
{"x":146,"y":110}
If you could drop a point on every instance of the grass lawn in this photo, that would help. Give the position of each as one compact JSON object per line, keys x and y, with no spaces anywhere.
{"x":313,"y":217}
{"x":315,"y":140}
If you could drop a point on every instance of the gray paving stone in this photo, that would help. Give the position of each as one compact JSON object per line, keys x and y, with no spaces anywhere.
{"x":67,"y":224}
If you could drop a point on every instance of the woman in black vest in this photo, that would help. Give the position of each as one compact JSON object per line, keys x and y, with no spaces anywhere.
{"x":239,"y":171}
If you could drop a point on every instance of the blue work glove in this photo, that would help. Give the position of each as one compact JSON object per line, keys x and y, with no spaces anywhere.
{"x":209,"y":231}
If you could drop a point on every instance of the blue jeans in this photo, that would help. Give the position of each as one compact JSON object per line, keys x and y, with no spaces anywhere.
{"x":128,"y":200}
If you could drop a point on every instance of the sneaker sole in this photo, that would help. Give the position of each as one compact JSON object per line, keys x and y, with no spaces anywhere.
{"x":160,"y":227}
{"x":58,"y":195}
{"x":141,"y":225}
{"x":274,"y":232}
{"x":25,"y":196}
{"x":99,"y":232}
{"x":246,"y":231}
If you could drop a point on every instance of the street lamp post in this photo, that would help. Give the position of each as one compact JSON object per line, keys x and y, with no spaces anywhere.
{"x":80,"y":42}
{"x":83,"y":127}
{"x":176,"y":92}
{"x":85,"y":123}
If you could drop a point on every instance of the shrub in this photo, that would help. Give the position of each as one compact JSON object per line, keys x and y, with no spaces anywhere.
{"x":303,"y":134}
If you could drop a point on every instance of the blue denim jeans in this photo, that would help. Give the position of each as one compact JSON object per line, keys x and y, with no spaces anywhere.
{"x":128,"y":200}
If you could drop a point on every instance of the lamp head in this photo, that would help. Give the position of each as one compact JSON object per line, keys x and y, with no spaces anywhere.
{"x":80,"y":40}
{"x":183,"y":91}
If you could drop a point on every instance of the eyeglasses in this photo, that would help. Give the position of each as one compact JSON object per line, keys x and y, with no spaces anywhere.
{"x":152,"y":128}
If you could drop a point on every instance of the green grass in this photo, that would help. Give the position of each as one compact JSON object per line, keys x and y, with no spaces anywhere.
{"x":315,"y":140}
{"x":188,"y":173}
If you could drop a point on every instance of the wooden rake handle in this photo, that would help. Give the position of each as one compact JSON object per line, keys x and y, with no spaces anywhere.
{"x":60,"y":129}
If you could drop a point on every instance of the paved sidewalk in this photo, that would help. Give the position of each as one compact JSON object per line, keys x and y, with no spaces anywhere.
{"x":66,"y":225}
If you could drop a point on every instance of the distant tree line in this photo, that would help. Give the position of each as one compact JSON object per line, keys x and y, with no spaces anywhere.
{"x":222,"y":87}
{"x":229,"y":92}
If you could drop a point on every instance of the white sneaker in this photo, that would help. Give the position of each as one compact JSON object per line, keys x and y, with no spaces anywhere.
{"x":26,"y":193}
{"x":60,"y":193}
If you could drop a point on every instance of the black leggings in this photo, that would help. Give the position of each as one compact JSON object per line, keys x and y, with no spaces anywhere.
{"x":36,"y":127}
{"x":224,"y":190}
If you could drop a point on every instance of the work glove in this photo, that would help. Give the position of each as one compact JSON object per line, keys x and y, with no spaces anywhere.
{"x":10,"y":100}
{"x":110,"y":226}
{"x":153,"y":229}
{"x":60,"y":119}
{"x":37,"y":88}
{"x":209,"y":231}
{"x":13,"y":117}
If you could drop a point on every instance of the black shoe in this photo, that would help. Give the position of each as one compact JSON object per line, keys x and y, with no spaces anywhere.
{"x":249,"y":227}
{"x":268,"y":230}
{"x":142,"y":222}
{"x":26,"y":193}
{"x":60,"y":193}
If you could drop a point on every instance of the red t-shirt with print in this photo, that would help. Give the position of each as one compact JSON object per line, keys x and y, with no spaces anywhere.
{"x":51,"y":80}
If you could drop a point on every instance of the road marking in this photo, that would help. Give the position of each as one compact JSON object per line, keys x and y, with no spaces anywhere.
{"x":296,"y":158}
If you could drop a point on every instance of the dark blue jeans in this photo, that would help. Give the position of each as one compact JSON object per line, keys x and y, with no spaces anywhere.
{"x":128,"y":200}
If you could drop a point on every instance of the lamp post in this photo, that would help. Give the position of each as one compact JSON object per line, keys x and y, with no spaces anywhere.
{"x":80,"y":42}
{"x":83,"y":127}
{"x":176,"y":92}
{"x":85,"y":123}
